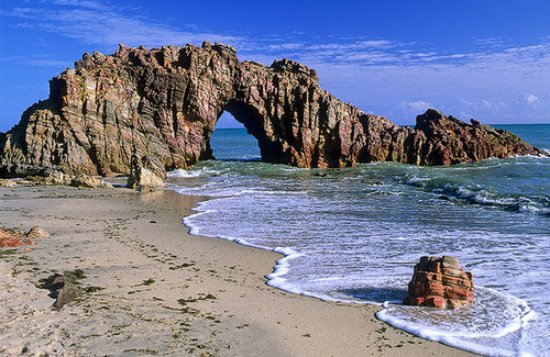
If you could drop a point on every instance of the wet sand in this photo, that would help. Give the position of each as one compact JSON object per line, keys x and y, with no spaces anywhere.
{"x":150,"y":288}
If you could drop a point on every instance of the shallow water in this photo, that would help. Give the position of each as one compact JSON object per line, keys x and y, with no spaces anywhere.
{"x":355,"y":234}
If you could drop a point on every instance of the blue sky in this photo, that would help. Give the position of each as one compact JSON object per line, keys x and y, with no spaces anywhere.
{"x":484,"y":59}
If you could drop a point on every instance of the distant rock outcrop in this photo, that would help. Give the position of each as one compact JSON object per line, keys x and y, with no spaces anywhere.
{"x":441,"y":283}
{"x":164,"y":103}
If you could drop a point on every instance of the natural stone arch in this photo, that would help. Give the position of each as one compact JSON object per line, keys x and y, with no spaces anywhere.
{"x":249,"y":117}
{"x":164,"y":103}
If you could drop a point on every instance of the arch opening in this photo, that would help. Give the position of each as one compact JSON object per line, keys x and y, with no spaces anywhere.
{"x":232,"y":141}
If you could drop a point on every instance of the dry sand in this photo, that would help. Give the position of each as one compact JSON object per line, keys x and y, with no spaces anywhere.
{"x":156,"y":290}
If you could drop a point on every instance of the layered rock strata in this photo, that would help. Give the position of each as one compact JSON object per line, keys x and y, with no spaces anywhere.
{"x":440,"y":282}
{"x":165,"y":102}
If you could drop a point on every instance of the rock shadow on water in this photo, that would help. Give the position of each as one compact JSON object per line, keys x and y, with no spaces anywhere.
{"x":377,"y":295}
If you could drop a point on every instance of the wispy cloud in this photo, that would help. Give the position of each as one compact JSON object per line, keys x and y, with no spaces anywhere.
{"x":417,"y":106}
{"x":94,"y":5}
{"x":42,"y":60}
{"x":490,"y":81}
{"x":97,"y":23}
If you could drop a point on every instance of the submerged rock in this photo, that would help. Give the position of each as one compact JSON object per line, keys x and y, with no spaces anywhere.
{"x":440,"y":282}
{"x":164,"y":103}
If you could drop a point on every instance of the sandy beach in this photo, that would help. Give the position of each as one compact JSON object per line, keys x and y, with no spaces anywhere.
{"x":153,"y":289}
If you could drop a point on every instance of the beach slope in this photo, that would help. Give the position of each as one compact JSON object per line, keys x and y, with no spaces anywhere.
{"x":149,"y":288}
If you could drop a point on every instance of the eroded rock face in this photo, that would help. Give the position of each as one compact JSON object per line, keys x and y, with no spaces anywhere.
{"x":440,"y":282}
{"x":164,"y":103}
{"x":147,"y":174}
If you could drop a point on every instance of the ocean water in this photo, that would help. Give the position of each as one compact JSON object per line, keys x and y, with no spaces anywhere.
{"x":355,"y":234}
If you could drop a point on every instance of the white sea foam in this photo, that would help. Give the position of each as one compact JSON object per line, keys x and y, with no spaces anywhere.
{"x":472,"y":342}
{"x":434,"y":335}
{"x":418,"y":181}
{"x":276,"y":278}
{"x":187,"y":221}
{"x":181,"y":173}
{"x":478,"y":195}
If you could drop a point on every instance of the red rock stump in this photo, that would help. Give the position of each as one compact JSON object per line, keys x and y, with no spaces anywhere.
{"x":440,"y":282}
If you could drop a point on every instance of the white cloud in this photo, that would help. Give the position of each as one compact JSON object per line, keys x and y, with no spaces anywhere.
{"x":41,"y":60}
{"x":95,"y":5}
{"x":531,"y":99}
{"x":418,"y":106}
{"x":356,"y":45}
{"x":285,"y":46}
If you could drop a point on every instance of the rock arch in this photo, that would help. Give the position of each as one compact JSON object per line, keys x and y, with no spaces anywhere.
{"x":164,"y":103}
{"x":253,"y":122}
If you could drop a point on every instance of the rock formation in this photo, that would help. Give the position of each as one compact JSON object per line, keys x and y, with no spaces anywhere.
{"x":47,"y":177}
{"x":10,"y":238}
{"x":146,"y":174}
{"x":8,"y":183}
{"x":57,"y":177}
{"x":165,"y":102}
{"x":441,"y":283}
{"x":37,"y":232}
{"x":63,"y":288}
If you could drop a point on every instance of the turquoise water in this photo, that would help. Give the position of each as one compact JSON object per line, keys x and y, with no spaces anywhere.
{"x":234,"y":145}
{"x":535,"y":134}
{"x":355,"y":234}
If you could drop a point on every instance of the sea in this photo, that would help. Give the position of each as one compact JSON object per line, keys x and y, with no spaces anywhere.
{"x":355,"y":234}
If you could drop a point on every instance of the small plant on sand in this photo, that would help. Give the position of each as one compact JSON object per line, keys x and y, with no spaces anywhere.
{"x":148,"y":281}
{"x":76,"y":274}
{"x":6,"y":252}
{"x":93,"y":289}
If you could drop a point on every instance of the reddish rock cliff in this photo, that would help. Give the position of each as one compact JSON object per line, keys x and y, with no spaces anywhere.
{"x":164,"y":103}
{"x":441,"y":283}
